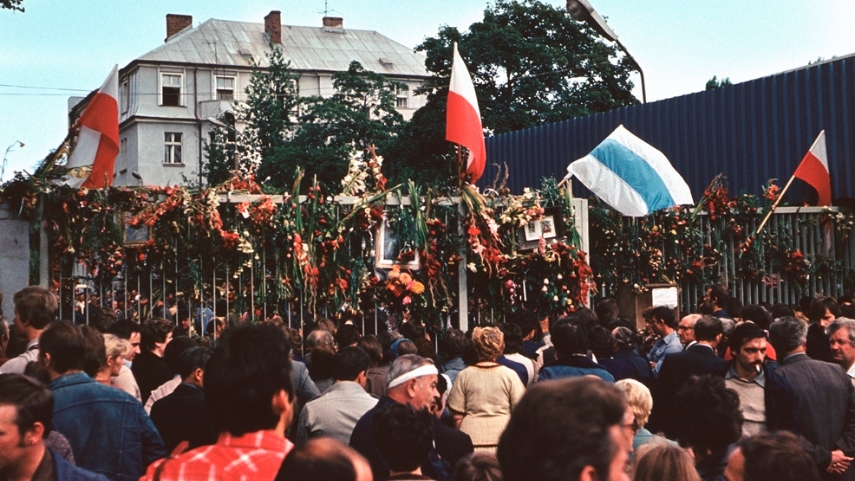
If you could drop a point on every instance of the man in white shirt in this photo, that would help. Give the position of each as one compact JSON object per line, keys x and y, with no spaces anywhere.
{"x":35,"y":308}
{"x":842,"y":340}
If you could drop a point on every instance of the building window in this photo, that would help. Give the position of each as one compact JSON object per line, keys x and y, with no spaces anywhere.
{"x":126,"y":96}
{"x":172,"y":148}
{"x":170,"y":89}
{"x":401,"y":101}
{"x":225,"y":88}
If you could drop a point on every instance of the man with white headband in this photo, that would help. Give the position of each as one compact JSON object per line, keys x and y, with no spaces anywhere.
{"x":412,"y":380}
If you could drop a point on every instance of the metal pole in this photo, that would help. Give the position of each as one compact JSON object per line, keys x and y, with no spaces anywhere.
{"x":462,"y":290}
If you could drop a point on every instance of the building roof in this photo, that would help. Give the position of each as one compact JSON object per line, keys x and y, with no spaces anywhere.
{"x":223,"y":42}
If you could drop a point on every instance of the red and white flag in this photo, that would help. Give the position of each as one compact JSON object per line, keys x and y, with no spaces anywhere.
{"x":463,"y":118}
{"x":814,"y":170}
{"x":98,"y":137}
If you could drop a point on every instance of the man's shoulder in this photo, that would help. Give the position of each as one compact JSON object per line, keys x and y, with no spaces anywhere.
{"x":66,"y":471}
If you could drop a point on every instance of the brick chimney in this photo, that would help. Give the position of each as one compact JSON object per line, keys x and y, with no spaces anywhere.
{"x":334,"y":22}
{"x":176,"y":23}
{"x":273,"y":26}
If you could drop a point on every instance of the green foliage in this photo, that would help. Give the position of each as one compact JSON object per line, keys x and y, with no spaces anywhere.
{"x":220,"y":157}
{"x":12,"y":5}
{"x":715,"y":83}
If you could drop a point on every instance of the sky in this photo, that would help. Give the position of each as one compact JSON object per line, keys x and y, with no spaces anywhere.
{"x":57,"y":49}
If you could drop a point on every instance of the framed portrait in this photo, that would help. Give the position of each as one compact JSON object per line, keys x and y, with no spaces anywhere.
{"x":549,"y":226}
{"x":387,"y":249}
{"x":134,"y":236}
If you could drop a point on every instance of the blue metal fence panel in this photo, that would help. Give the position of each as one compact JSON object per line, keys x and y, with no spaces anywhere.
{"x":750,"y":132}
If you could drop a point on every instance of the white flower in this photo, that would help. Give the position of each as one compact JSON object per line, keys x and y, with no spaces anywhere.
{"x":555,"y":299}
{"x":546,"y":282}
{"x":472,"y":267}
{"x":559,"y":277}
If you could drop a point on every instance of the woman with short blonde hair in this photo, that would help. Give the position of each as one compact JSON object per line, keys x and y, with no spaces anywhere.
{"x":483,"y":396}
{"x":116,"y":348}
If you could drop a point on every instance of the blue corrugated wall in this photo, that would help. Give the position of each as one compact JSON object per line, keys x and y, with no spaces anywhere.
{"x":750,"y":132}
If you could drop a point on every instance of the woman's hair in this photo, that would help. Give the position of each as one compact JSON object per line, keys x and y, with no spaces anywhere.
{"x":116,"y":346}
{"x":489,"y":343}
{"x":664,"y":462}
{"x":639,"y":399}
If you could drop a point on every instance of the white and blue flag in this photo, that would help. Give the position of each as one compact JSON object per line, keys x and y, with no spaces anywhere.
{"x":631,"y":176}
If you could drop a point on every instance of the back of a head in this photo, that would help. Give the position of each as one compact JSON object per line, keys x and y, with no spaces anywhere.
{"x":154,"y":331}
{"x":489,"y":343}
{"x":454,"y":343}
{"x":249,"y":366}
{"x":569,"y":336}
{"x":708,"y":328}
{"x":664,"y":461}
{"x":787,"y":334}
{"x":102,"y":319}
{"x":323,"y":363}
{"x":526,"y":319}
{"x":587,"y":316}
{"x":707,"y":414}
{"x":513,"y":338}
{"x":349,"y":363}
{"x":719,"y":294}
{"x":36,"y":306}
{"x":347,"y":335}
{"x":319,"y":459}
{"x":192,"y":359}
{"x":372,"y":347}
{"x":480,"y":466}
{"x":758,"y":315}
{"x":124,"y":328}
{"x":607,"y":310}
{"x":624,"y":337}
{"x":319,"y":337}
{"x":781,"y":310}
{"x":174,"y":349}
{"x":32,"y":401}
{"x":779,"y":456}
{"x":63,"y":343}
{"x":559,"y":427}
{"x":403,"y":436}
{"x":601,"y":342}
{"x":96,"y":350}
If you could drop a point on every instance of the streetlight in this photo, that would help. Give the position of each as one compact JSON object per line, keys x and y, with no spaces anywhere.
{"x":582,"y":11}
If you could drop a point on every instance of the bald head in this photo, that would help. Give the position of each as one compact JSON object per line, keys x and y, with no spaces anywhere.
{"x":686,"y":329}
{"x":324,"y":459}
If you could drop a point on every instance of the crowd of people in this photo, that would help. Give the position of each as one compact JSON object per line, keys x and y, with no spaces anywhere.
{"x":728,"y":392}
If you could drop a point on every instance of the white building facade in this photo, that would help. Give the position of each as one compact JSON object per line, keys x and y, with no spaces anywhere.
{"x":168,"y":95}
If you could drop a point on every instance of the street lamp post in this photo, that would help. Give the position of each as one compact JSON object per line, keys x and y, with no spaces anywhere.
{"x":582,"y":11}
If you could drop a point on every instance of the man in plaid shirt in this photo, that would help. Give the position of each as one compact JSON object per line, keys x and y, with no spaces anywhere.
{"x":248,"y":391}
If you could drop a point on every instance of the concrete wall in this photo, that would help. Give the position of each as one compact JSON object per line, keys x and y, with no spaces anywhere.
{"x":14,"y":258}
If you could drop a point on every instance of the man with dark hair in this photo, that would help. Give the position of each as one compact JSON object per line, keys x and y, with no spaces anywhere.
{"x":698,"y":359}
{"x":404,"y":438}
{"x":528,"y":322}
{"x":375,"y":382}
{"x":823,"y":311}
{"x":182,"y":415}
{"x":108,"y":430}
{"x":572,"y":429}
{"x":335,"y":413}
{"x":767,"y":400}
{"x":842,"y":340}
{"x":149,"y":368}
{"x":324,"y":459}
{"x":249,"y":394}
{"x":775,"y":456}
{"x":717,"y":298}
{"x":26,"y":419}
{"x":825,"y":396}
{"x":707,"y":419}
{"x":126,"y":381}
{"x":171,"y":355}
{"x":607,"y":311}
{"x":662,"y":322}
{"x":35,"y":308}
{"x":346,"y":336}
{"x":412,"y":381}
{"x":570,"y":338}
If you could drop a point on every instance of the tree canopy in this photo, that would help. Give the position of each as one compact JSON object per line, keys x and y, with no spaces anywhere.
{"x":11,"y":5}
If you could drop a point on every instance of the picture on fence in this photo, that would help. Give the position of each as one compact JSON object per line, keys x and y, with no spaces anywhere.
{"x":135,"y":235}
{"x":549,"y":226}
{"x":388,"y":249}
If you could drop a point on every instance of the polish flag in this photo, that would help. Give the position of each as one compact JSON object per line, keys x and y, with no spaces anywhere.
{"x":463,"y":118}
{"x":814,"y":170}
{"x":98,"y":136}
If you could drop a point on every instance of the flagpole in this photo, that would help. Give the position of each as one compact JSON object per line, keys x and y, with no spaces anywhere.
{"x":784,"y":191}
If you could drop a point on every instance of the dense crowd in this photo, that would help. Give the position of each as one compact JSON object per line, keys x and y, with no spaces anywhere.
{"x":728,"y":392}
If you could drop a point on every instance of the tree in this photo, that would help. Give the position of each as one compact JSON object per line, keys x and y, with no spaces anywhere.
{"x":715,"y":83}
{"x":12,"y":5}
{"x":531,"y":64}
